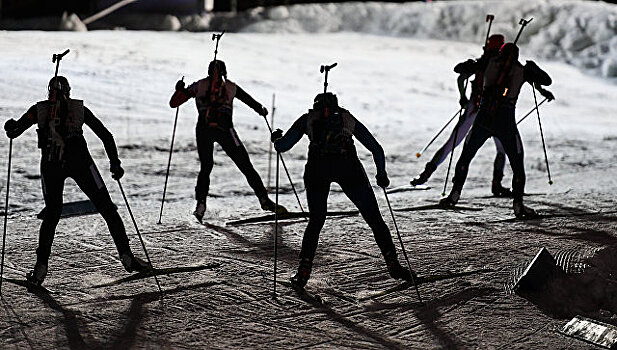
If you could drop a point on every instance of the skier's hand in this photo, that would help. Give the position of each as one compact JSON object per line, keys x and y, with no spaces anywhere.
{"x":180,"y":85}
{"x":116,"y":171}
{"x":382,"y":180}
{"x":549,"y":95}
{"x":463,"y":101}
{"x":12,"y":131}
{"x":276,"y":135}
{"x":263,"y":112}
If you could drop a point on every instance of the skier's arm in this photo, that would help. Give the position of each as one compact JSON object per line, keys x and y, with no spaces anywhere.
{"x":182,"y":94}
{"x":250,"y":101}
{"x":102,"y":133}
{"x":367,"y":140}
{"x":535,"y":75}
{"x":292,"y":136}
{"x":14,"y":128}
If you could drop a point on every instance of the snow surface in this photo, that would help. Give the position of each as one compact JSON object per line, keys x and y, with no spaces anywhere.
{"x":403,"y":89}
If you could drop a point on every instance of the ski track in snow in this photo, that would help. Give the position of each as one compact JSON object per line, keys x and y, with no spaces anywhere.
{"x":402,"y":89}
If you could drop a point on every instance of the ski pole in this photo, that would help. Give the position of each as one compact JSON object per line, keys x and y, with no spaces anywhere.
{"x":548,"y":170}
{"x":523,"y":22}
{"x":276,"y":225}
{"x":413,"y":279}
{"x":171,"y":150}
{"x":489,"y":19}
{"x":143,"y":245}
{"x":279,"y":155}
{"x":6,"y":212}
{"x":419,"y":154}
{"x":445,"y":184}
{"x":533,"y":109}
{"x":270,"y":144}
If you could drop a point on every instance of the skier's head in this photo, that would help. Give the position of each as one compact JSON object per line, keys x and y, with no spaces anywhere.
{"x":217,"y":67}
{"x":325,"y":100}
{"x":59,"y":84}
{"x":494,"y":43}
{"x":508,"y":51}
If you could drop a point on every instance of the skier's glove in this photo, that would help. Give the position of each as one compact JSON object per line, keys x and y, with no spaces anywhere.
{"x":382,"y":180}
{"x":180,"y":85}
{"x":276,"y":135}
{"x":116,"y":170}
{"x":463,"y":101}
{"x":263,"y":111}
{"x":549,"y":95}
{"x":12,"y":131}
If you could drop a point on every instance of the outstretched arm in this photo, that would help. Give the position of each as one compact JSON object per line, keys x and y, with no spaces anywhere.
{"x":102,"y":133}
{"x":250,"y":101}
{"x":292,"y":136}
{"x":182,"y":94}
{"x":367,"y":140}
{"x":537,"y":77}
{"x":14,"y":128}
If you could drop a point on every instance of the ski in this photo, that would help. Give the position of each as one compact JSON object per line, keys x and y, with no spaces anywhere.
{"x":437,"y":206}
{"x":158,"y":272}
{"x":78,"y":208}
{"x":33,"y":288}
{"x":407,"y":188}
{"x":540,"y":216}
{"x":422,"y":280}
{"x":286,"y":216}
{"x":303,"y":294}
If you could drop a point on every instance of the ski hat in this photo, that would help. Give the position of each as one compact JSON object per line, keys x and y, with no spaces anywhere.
{"x":219,"y":66}
{"x":325,"y":100}
{"x":509,"y":50}
{"x":59,"y":83}
{"x":494,"y":42}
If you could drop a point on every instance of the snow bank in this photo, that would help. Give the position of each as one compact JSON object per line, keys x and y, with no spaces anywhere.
{"x":581,"y":33}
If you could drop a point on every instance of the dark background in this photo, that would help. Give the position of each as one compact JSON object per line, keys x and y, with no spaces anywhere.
{"x":38,"y":8}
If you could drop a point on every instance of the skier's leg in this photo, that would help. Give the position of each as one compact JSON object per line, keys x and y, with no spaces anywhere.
{"x":52,"y":181}
{"x":89,"y":180}
{"x":498,"y":166}
{"x":234,"y":148}
{"x":317,"y":189}
{"x":205,"y":149}
{"x":356,"y":186}
{"x":475,"y":139}
{"x":458,"y":134}
{"x":513,"y":146}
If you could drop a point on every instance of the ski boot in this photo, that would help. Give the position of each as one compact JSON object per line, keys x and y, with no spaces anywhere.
{"x":450,"y":201}
{"x":397,"y":271}
{"x":200,"y":210}
{"x":37,"y":275}
{"x":133,"y":264}
{"x":500,"y":191}
{"x":269,"y":205}
{"x":300,"y":279}
{"x":523,"y":212}
{"x":424,"y":176}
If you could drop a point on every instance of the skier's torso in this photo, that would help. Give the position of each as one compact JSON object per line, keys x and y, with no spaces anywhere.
{"x":214,"y":102}
{"x":332,"y":134}
{"x":60,"y":129}
{"x":508,"y":90}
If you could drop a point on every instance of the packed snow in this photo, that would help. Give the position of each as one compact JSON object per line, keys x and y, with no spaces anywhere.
{"x":403,"y":89}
